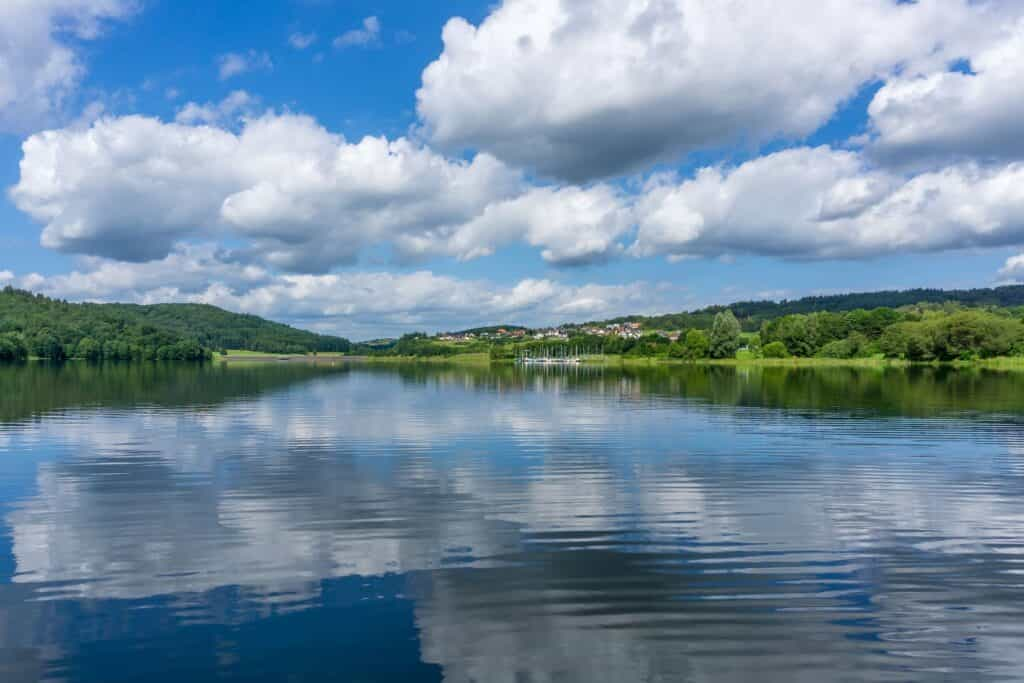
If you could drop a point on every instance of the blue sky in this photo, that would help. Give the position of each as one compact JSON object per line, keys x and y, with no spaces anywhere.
{"x":369,"y":168}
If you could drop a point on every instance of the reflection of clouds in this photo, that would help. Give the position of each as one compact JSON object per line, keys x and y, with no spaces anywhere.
{"x":281,"y":488}
{"x":593,"y":537}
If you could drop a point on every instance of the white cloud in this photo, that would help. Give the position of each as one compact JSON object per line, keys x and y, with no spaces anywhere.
{"x":237,"y":104}
{"x":306,"y":199}
{"x":1012,"y":270}
{"x":234,"y":64}
{"x":581,"y":90}
{"x":369,"y":34}
{"x":952,"y":114}
{"x":185,"y":273}
{"x":824,"y":203}
{"x":570,"y":224}
{"x":301,"y":41}
{"x":39,"y":66}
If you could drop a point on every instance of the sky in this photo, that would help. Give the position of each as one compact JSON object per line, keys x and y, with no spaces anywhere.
{"x":374,"y":167}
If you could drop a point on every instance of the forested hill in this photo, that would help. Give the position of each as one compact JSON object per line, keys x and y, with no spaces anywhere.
{"x":752,"y":313}
{"x":34,"y":325}
{"x":219,"y":329}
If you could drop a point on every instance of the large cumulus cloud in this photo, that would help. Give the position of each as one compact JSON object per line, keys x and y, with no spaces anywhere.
{"x":305,"y":199}
{"x":585,"y":89}
{"x":811,"y":203}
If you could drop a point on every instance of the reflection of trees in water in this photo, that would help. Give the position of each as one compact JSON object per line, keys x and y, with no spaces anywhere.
{"x":38,"y":388}
{"x":917,"y":391}
{"x":32,"y":389}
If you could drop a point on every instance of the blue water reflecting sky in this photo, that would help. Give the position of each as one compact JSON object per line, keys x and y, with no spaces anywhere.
{"x":369,"y":524}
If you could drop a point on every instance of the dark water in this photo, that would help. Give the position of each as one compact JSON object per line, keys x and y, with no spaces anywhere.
{"x":288,"y":523}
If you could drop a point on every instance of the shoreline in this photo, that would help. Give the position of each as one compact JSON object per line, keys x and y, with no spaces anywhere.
{"x":1000,"y":363}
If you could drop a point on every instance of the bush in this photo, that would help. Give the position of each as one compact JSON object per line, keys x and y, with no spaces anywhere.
{"x":775,"y":350}
{"x":853,"y":346}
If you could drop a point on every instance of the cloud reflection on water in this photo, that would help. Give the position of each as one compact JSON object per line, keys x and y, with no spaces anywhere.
{"x":548,"y":530}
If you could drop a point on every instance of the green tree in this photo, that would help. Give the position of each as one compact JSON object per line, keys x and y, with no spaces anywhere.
{"x":12,"y":347}
{"x":725,"y":335}
{"x":697,"y":344}
{"x":47,"y":345}
{"x":88,"y":349}
{"x":794,"y":333}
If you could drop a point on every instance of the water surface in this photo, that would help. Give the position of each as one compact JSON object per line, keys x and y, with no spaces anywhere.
{"x":422,"y":523}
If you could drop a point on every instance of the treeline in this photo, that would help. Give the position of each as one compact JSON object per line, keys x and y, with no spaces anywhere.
{"x":924,"y":332}
{"x":753,"y":314}
{"x":32,"y":325}
{"x":916,"y":333}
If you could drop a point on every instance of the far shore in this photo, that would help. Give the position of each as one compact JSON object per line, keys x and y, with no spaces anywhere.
{"x":237,"y":357}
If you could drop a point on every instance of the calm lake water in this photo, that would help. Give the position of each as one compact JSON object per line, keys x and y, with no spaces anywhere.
{"x":422,"y":523}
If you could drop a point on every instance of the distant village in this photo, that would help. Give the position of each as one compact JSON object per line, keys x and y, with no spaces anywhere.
{"x":627,"y":330}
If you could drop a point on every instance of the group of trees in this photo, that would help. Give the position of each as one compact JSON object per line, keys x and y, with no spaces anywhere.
{"x":964,"y":335}
{"x":33,"y":325}
{"x":753,"y":314}
{"x":722,"y":341}
{"x":827,"y":334}
{"x":924,"y":332}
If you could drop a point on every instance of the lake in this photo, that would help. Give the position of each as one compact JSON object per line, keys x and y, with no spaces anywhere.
{"x":430,"y":523}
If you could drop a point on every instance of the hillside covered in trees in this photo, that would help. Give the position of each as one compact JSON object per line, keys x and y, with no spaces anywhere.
{"x":752,"y":314}
{"x":34,"y":325}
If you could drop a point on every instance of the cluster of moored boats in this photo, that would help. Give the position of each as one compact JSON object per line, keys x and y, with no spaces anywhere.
{"x":531,"y":360}
{"x":568,"y":357}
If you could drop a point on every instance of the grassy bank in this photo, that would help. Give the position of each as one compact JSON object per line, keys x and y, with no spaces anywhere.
{"x":238,"y":356}
{"x":234,"y":356}
{"x":756,"y":362}
{"x":457,"y":359}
